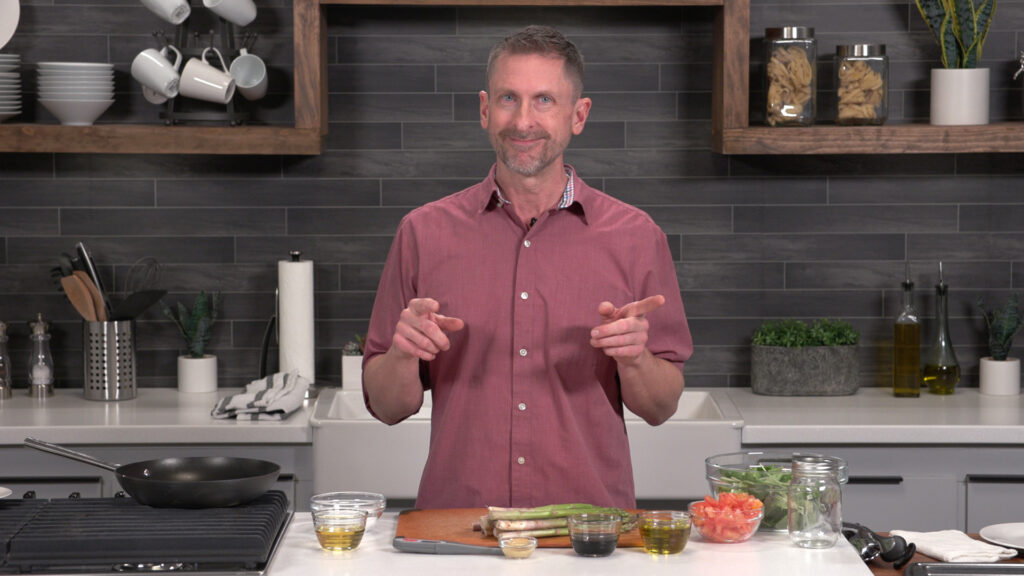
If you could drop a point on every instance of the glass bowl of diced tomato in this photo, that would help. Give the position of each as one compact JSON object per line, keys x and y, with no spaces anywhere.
{"x":732,"y":517}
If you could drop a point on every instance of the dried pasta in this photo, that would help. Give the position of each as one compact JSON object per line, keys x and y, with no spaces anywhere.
{"x":790,"y":83}
{"x":861,"y":91}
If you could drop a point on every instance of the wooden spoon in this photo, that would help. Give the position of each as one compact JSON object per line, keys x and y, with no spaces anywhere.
{"x":79,"y":297}
{"x":94,"y":295}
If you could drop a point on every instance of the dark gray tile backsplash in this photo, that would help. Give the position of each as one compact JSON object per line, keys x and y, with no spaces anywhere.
{"x":754,"y":237}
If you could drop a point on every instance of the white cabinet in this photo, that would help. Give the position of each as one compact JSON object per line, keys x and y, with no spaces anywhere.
{"x":993,"y":499}
{"x":928,"y":487}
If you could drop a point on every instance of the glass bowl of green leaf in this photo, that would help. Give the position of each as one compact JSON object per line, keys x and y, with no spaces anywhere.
{"x":764,"y":475}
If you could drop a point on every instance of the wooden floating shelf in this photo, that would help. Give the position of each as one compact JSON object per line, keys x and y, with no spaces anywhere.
{"x":895,"y":139}
{"x":150,"y":139}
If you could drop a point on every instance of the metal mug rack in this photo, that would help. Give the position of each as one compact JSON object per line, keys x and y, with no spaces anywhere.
{"x":191,"y":45}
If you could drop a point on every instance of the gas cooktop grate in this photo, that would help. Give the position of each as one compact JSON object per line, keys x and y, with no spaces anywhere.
{"x":99,"y":534}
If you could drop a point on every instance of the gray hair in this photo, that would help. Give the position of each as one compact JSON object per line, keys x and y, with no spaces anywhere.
{"x":545,"y":41}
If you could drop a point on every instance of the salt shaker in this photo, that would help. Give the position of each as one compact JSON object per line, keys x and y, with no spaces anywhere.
{"x":815,"y":502}
{"x":40,"y":368}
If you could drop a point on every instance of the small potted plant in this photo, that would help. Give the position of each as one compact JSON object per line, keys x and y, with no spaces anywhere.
{"x":960,"y":90}
{"x":790,"y":358}
{"x":352,"y":362}
{"x":999,"y":373}
{"x":197,"y":370}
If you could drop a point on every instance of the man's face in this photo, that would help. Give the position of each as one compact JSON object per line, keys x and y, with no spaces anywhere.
{"x":530,"y":112}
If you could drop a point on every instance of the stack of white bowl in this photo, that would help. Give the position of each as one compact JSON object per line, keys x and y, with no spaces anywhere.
{"x":10,"y":86}
{"x":77,"y":93}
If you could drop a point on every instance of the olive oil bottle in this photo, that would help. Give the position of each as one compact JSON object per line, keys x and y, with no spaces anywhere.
{"x":941,"y":370}
{"x":906,"y":364}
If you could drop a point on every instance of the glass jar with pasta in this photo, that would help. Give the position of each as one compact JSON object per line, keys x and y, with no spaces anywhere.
{"x":791,"y":78}
{"x":862,"y":84}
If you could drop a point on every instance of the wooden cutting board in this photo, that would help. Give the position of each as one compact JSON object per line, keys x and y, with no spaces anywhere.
{"x":456,"y":525}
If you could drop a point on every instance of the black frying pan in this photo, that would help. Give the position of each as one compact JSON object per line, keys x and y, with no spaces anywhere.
{"x":198,"y":482}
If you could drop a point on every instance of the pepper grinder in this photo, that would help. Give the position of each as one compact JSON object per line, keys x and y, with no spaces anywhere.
{"x":5,"y":364}
{"x":40,"y":372}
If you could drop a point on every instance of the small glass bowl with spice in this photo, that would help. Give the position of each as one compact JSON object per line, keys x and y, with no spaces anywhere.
{"x":862,"y":84}
{"x":517,"y":547}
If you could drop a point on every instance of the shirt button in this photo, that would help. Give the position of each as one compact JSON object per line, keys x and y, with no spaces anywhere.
{"x":524,"y":295}
{"x":521,"y":460}
{"x":522,"y":351}
{"x":522,"y":406}
{"x":526,"y":243}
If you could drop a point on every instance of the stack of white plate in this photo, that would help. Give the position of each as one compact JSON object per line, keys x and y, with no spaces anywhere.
{"x":10,"y":86}
{"x":76,"y":92}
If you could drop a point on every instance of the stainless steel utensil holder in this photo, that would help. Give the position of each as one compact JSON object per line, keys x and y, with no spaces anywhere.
{"x":109,"y":353}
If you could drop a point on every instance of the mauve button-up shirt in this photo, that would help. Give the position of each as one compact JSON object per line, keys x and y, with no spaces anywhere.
{"x":525,"y":411}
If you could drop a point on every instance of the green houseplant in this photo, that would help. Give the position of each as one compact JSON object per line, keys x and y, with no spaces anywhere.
{"x":792,"y":358}
{"x":197,"y":370}
{"x":999,"y":374}
{"x":960,"y":90}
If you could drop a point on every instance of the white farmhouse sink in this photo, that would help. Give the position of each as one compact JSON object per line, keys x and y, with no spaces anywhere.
{"x":354,"y":451}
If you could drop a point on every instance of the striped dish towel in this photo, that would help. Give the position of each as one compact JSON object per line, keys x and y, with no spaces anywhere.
{"x":272,"y":398}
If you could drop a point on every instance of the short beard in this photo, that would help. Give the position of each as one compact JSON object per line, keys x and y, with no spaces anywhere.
{"x":529,"y":168}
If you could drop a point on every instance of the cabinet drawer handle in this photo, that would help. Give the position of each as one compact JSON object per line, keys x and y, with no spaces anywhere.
{"x":995,"y":478}
{"x":875,"y":480}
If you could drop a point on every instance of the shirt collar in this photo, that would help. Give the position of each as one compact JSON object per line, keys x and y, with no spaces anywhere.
{"x":495,"y":198}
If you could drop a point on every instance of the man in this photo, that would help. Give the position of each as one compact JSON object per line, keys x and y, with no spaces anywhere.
{"x":522,"y":304}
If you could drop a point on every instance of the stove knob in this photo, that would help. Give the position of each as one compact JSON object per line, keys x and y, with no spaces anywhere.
{"x":30,"y":495}
{"x":75,"y":495}
{"x":120,"y":494}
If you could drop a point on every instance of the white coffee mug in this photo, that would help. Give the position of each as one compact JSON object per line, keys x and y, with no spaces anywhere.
{"x":153,"y":70}
{"x":238,"y":12}
{"x":173,"y":11}
{"x":250,"y":74}
{"x":202,"y":81}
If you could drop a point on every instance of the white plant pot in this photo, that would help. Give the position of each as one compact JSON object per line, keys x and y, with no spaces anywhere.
{"x":351,"y":372}
{"x":196,"y":375}
{"x":960,"y":96}
{"x":1000,"y":377}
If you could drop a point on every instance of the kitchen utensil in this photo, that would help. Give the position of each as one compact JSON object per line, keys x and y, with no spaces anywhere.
{"x":870,"y":545}
{"x":90,"y":268}
{"x":419,"y":546}
{"x":962,"y":569}
{"x":79,"y":297}
{"x":196,"y":482}
{"x":94,"y":294}
{"x":144,"y":274}
{"x":135,"y":304}
{"x":108,"y":355}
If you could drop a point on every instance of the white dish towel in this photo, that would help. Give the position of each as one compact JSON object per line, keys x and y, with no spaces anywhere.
{"x":955,"y":546}
{"x":272,"y":398}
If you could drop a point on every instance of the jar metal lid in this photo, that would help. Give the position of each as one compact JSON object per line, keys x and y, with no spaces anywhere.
{"x":788,"y":33}
{"x":860,"y":50}
{"x":814,"y":465}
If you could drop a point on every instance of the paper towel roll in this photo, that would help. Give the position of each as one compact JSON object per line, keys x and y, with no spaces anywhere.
{"x":296,"y":336}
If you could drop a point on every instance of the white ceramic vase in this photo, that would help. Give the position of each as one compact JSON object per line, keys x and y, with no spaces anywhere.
{"x":351,"y":372}
{"x":196,"y":375}
{"x":959,"y":96}
{"x":1000,"y":377}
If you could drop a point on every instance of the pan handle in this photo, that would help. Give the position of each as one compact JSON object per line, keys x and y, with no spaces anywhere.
{"x":69,"y":453}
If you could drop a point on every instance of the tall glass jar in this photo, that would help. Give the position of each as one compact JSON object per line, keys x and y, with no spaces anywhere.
{"x":815,"y":502}
{"x":791,"y":78}
{"x":941,"y":369}
{"x":906,"y":353}
{"x":862,"y":84}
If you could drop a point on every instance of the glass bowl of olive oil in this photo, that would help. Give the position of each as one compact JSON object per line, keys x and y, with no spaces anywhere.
{"x":337,"y":528}
{"x":664,"y":531}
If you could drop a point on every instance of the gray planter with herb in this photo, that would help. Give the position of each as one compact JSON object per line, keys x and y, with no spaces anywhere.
{"x":789,"y":358}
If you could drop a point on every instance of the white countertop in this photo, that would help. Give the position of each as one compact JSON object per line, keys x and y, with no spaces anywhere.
{"x":155,"y":416}
{"x":875,"y":416}
{"x":763,"y":555}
